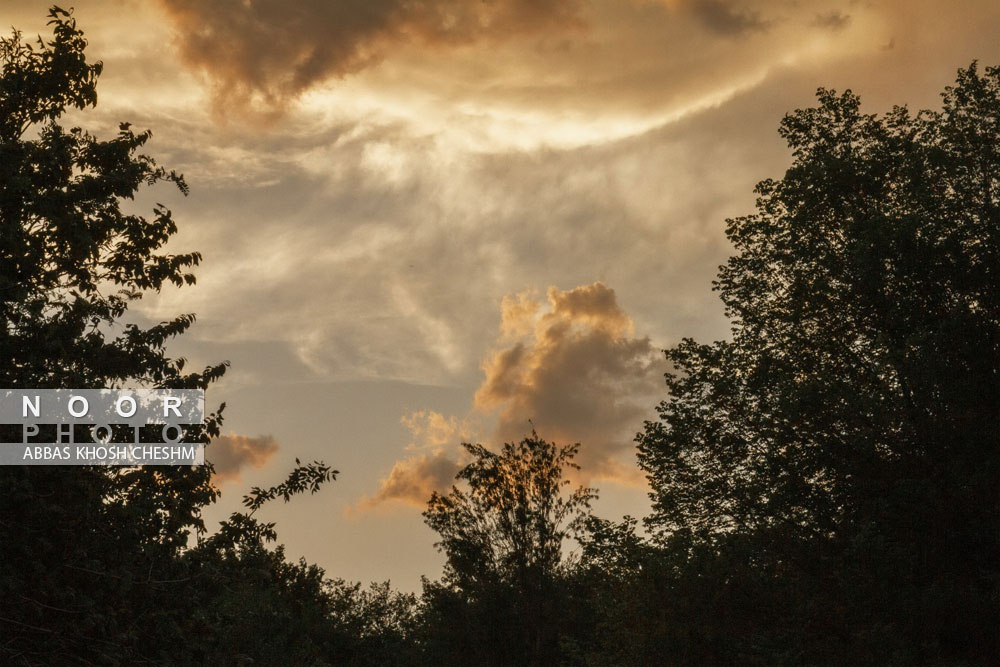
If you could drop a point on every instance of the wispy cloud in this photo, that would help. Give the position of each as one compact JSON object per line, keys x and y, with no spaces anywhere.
{"x":832,"y":20}
{"x":727,"y":18}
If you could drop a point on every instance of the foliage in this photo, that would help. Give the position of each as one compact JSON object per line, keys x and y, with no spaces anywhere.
{"x":96,"y":565}
{"x":71,"y":260}
{"x":514,"y":517}
{"x":242,"y":529}
{"x":848,"y":428}
{"x":498,"y":602}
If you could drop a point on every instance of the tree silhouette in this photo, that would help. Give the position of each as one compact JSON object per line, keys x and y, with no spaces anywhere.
{"x":96,"y":565}
{"x":846,"y":436}
{"x":503,"y":538}
{"x":71,"y":260}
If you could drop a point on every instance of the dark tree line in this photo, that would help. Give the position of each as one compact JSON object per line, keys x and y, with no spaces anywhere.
{"x":825,"y":480}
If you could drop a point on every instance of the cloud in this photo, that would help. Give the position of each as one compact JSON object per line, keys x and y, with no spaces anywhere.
{"x":401,"y":277}
{"x":567,"y":71}
{"x":270,"y":50}
{"x":432,"y":430}
{"x":570,"y":368}
{"x":396,"y":273}
{"x":413,"y":480}
{"x":832,"y":20}
{"x":578,"y":374}
{"x":723,"y":18}
{"x":230,"y":454}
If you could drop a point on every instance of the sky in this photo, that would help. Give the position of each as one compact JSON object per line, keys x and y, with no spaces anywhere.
{"x":432,"y":222}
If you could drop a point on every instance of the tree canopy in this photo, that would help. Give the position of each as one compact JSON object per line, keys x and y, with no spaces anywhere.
{"x":97,"y":565}
{"x":848,"y":427}
{"x":504,"y":537}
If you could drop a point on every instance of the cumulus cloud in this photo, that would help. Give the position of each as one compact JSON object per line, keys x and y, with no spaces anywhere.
{"x":577,"y":372}
{"x":570,"y":367}
{"x":273,"y":49}
{"x":231,"y":454}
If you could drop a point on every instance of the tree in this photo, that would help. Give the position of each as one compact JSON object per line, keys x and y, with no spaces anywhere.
{"x":847,"y":430}
{"x":503,"y":538}
{"x":71,"y":260}
{"x":96,"y":564}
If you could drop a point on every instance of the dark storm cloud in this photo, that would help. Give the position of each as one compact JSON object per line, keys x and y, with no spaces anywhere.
{"x":273,"y":49}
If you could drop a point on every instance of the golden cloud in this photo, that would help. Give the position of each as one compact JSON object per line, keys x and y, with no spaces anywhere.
{"x":571,"y":369}
{"x":270,"y":50}
{"x":230,"y":454}
{"x":413,"y":480}
{"x":578,"y":374}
